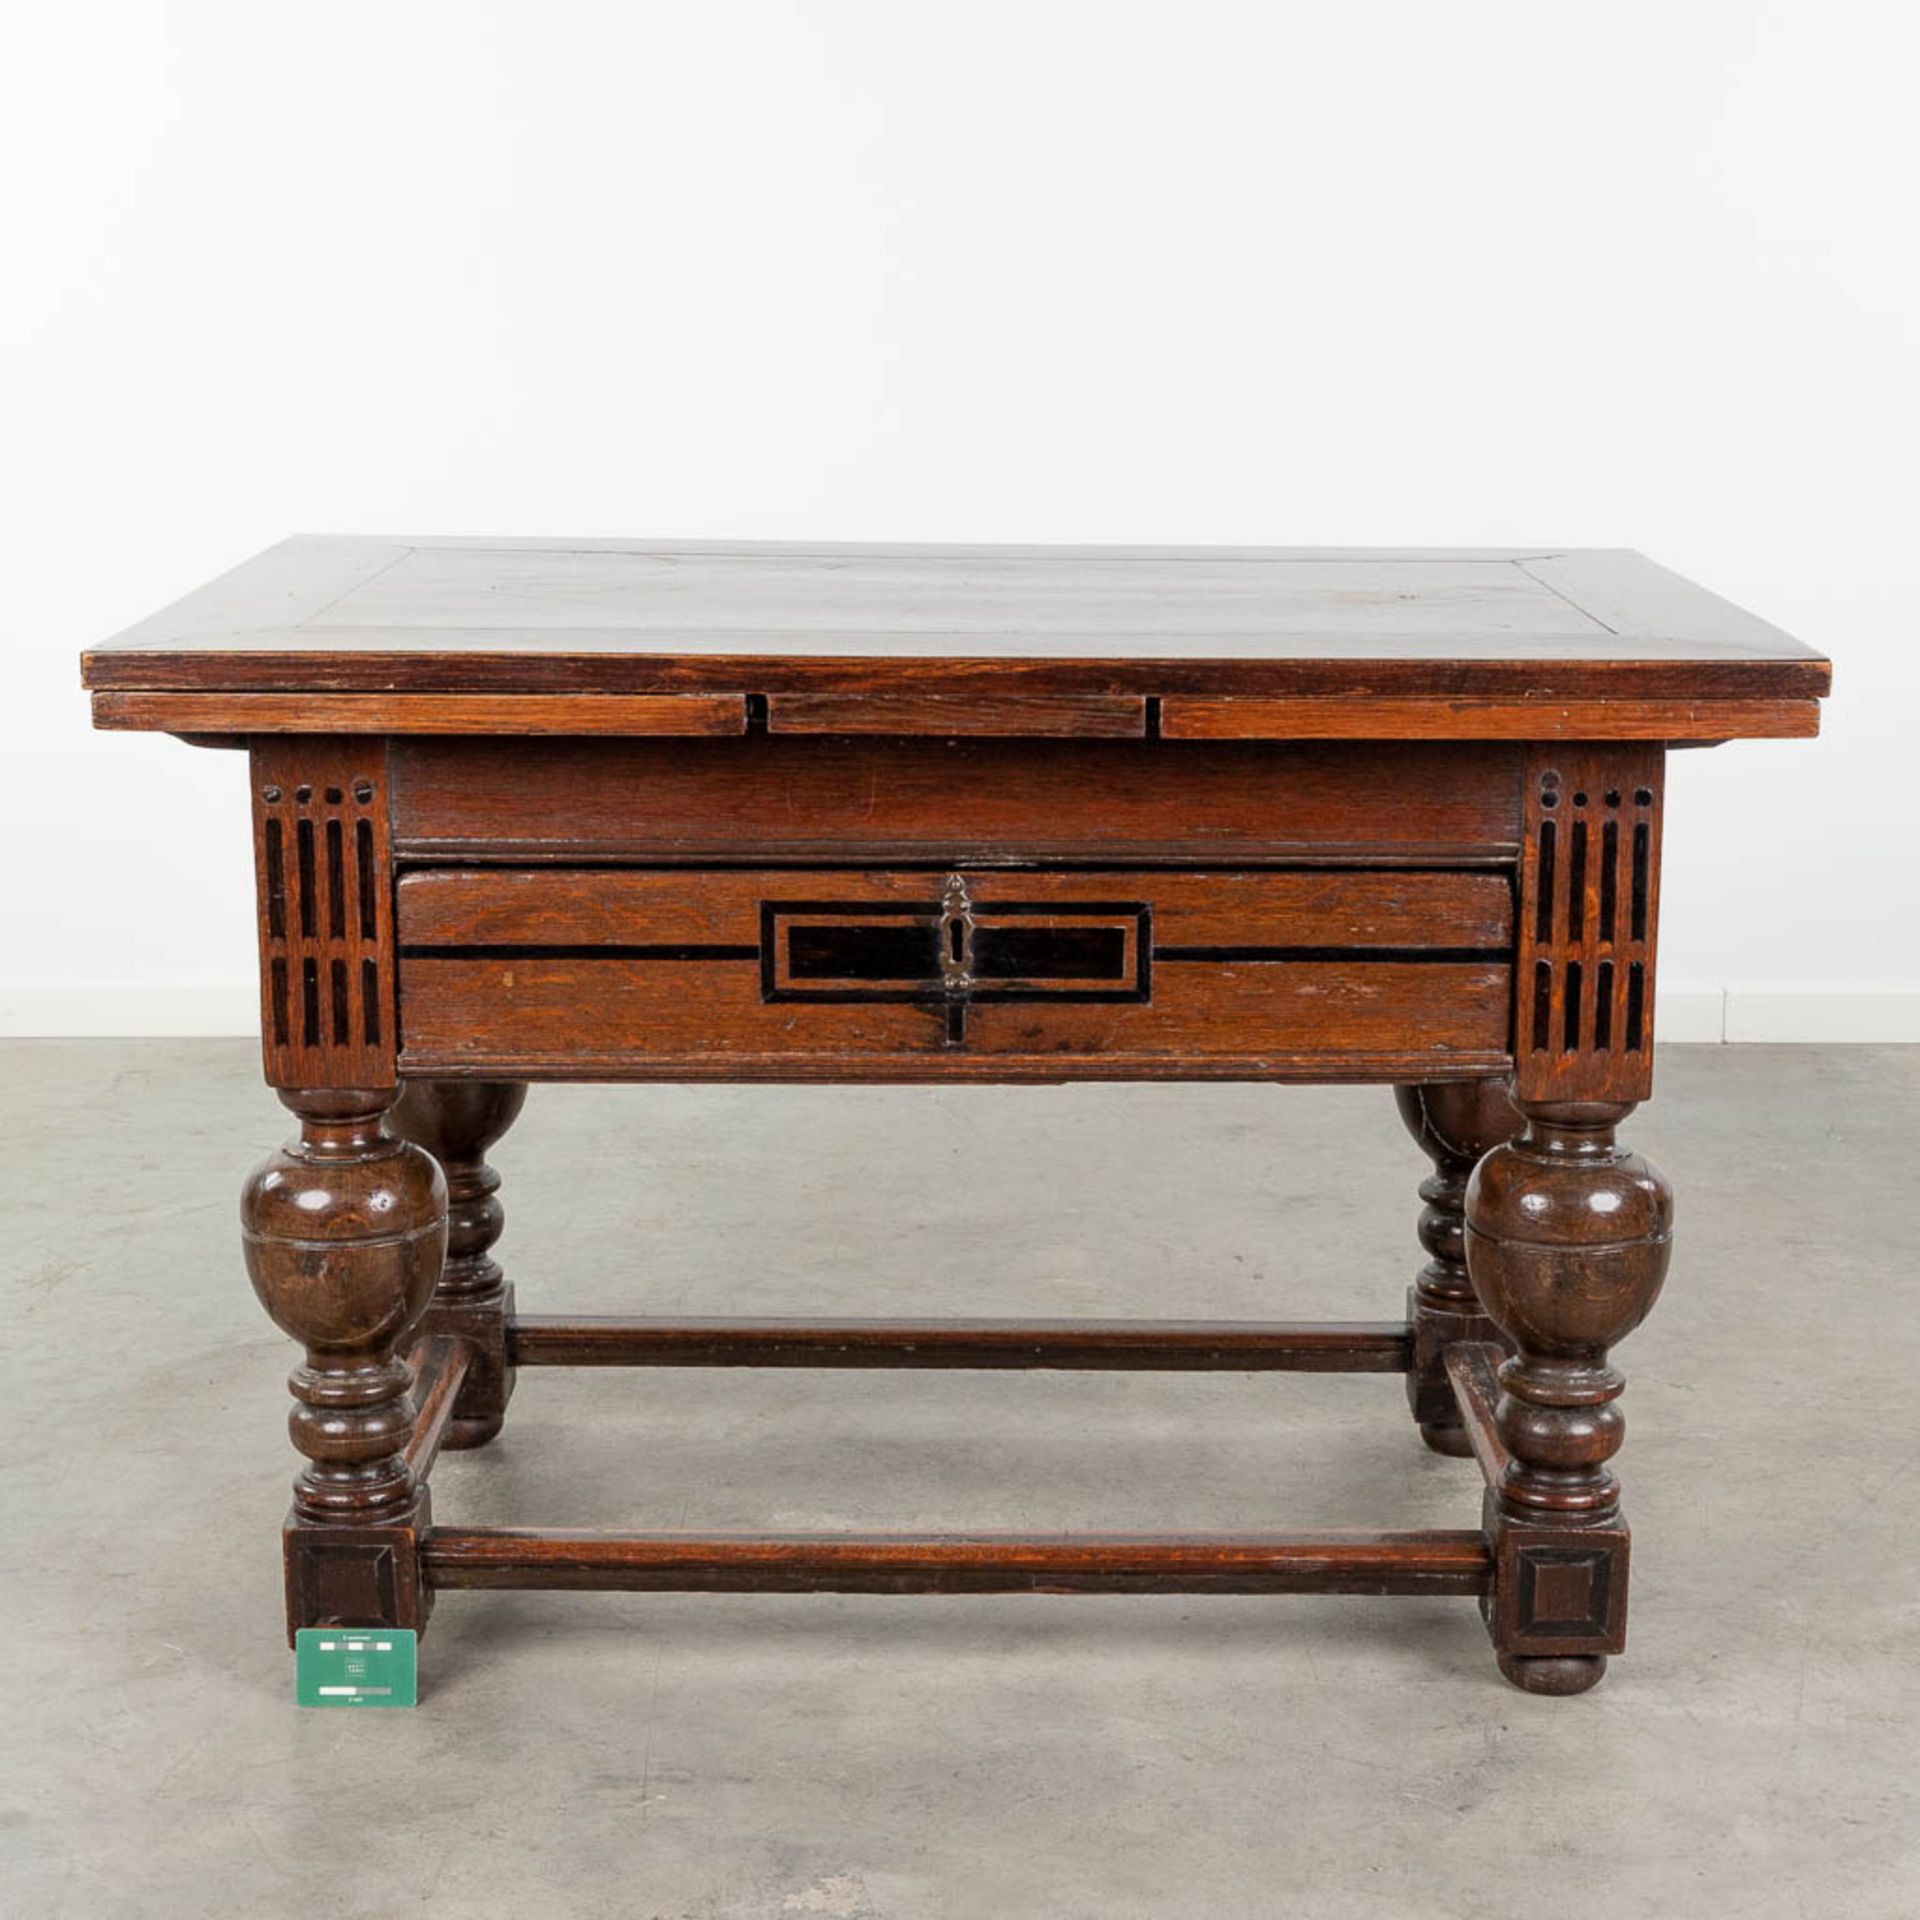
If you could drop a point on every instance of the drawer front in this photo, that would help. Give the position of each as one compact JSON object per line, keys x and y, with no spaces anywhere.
{"x":878,"y":802}
{"x":925,"y":974}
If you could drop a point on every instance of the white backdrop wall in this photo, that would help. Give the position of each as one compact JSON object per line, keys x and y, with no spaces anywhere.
{"x":1193,"y":271}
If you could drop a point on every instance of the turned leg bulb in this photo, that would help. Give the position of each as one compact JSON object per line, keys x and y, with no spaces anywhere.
{"x":1454,"y":1122}
{"x":1568,"y":1240}
{"x":457,"y":1121}
{"x":344,"y":1231}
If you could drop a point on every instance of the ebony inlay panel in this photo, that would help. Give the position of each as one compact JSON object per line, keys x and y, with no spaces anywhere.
{"x":951,"y":947}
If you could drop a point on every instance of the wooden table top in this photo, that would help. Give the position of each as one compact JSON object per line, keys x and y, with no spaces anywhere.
{"x":610,"y":636}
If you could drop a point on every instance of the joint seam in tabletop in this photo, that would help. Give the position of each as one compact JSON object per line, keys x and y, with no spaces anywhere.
{"x":347,"y":593}
{"x":1526,"y":567}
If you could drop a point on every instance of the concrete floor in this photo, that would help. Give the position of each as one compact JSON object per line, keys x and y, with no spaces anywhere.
{"x":689,"y":1755}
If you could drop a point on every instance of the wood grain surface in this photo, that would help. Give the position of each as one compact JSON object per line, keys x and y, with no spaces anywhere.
{"x":930,"y":640}
{"x":966,"y":801}
{"x":570,"y":906}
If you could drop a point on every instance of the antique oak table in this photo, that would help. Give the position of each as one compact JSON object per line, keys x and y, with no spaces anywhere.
{"x":608,"y":810}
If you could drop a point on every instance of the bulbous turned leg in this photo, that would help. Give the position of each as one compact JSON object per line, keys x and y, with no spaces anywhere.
{"x":1455,"y":1122}
{"x":1568,"y":1238}
{"x":344,"y":1231}
{"x":457,"y":1121}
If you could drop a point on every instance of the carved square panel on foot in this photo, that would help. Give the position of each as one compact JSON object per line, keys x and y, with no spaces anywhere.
{"x":1556,"y":1590}
{"x":350,"y":1576}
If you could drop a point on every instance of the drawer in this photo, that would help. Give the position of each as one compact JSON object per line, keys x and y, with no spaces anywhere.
{"x":878,"y":802}
{"x":916,"y":973}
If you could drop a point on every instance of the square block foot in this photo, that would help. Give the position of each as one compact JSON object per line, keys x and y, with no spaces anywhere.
{"x":356,"y":1576}
{"x":481,"y":1409}
{"x":1556,"y":1590}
